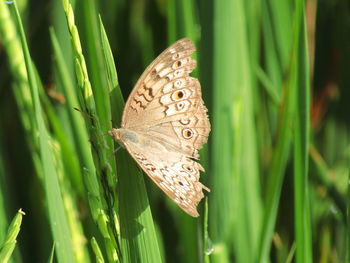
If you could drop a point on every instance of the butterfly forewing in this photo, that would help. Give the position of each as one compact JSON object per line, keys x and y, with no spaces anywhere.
{"x":164,"y":124}
{"x":166,"y":73}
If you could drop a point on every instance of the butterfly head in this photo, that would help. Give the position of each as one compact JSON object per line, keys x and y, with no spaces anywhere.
{"x":115,"y":134}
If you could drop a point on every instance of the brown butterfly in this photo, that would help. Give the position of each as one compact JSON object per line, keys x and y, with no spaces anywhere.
{"x":164,"y":124}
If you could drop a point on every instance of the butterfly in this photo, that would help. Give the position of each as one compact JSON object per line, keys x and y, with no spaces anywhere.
{"x":165,"y":123}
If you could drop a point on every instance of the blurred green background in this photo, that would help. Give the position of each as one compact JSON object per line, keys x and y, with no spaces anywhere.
{"x":275,"y":78}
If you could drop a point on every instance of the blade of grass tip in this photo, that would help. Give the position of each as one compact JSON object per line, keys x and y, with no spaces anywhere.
{"x":52,"y":254}
{"x":104,"y":168}
{"x":7,"y":247}
{"x":112,"y":78}
{"x":59,"y":225}
{"x":347,"y":250}
{"x":97,"y":251}
{"x":139,"y":240}
{"x":301,"y":139}
{"x":207,"y":243}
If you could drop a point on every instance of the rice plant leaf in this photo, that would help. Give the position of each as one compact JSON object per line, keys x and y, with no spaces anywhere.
{"x":139,"y":241}
{"x":301,"y":142}
{"x":235,"y":185}
{"x":59,"y":224}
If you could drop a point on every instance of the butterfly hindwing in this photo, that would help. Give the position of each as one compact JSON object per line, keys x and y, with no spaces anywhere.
{"x":178,"y":177}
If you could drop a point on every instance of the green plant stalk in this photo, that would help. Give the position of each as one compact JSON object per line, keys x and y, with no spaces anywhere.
{"x":104,"y":169}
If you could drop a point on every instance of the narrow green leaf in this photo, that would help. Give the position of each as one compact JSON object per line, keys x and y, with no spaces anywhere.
{"x":139,"y":241}
{"x":301,"y":142}
{"x":59,"y":225}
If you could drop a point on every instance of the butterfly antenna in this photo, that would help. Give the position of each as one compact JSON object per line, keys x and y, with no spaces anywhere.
{"x":90,"y":116}
{"x":115,"y":151}
{"x":86,"y":114}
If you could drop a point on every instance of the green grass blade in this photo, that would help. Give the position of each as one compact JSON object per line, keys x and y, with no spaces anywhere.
{"x":59,"y":225}
{"x":207,"y":244}
{"x":301,"y":143}
{"x":105,"y":169}
{"x":97,"y":251}
{"x":139,"y":240}
{"x":276,"y":175}
{"x":20,"y":88}
{"x":276,"y":65}
{"x":116,"y":96}
{"x":347,"y":250}
{"x":52,"y":254}
{"x":171,"y":19}
{"x":3,"y":192}
{"x":94,"y":61}
{"x":235,"y":185}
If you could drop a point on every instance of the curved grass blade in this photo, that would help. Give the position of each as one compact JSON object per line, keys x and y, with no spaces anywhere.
{"x":138,"y":237}
{"x":59,"y":224}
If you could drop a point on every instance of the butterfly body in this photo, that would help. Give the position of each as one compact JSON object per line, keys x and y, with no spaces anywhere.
{"x":164,"y":124}
{"x":134,"y":139}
